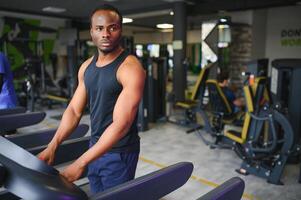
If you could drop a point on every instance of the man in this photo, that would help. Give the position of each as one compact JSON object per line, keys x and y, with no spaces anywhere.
{"x":223,"y":80}
{"x":8,"y":97}
{"x":112,"y":83}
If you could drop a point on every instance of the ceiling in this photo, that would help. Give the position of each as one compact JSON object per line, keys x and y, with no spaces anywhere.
{"x":146,"y":13}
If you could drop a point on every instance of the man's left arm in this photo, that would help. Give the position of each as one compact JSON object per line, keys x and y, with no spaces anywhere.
{"x":132,"y":76}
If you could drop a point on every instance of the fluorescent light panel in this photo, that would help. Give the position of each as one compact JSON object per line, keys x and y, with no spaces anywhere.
{"x":223,"y":20}
{"x":164,"y":26}
{"x":54,"y":9}
{"x":126,"y":20}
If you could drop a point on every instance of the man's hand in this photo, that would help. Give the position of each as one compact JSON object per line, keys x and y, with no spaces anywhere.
{"x":47,"y":155}
{"x":74,"y":171}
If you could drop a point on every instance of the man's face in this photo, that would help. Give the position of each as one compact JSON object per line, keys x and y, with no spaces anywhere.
{"x":105,"y":30}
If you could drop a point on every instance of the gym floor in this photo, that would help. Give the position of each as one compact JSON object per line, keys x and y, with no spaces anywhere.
{"x":165,"y":144}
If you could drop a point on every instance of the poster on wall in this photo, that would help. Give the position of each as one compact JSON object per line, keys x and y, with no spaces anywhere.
{"x":283,"y":33}
{"x":291,"y":37}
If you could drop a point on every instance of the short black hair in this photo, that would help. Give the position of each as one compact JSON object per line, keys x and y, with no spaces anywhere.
{"x":223,"y":75}
{"x":106,"y":7}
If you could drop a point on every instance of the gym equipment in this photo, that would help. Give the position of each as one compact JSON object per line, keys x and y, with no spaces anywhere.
{"x":152,"y":107}
{"x":258,"y":67}
{"x":220,"y":113}
{"x":285,"y":89}
{"x":15,"y":121}
{"x":152,"y":186}
{"x":221,"y":110}
{"x":33,"y":65}
{"x":43,"y":137}
{"x":266,"y":139}
{"x":232,"y":189}
{"x":142,"y":122}
{"x":156,"y":88}
{"x":67,"y":151}
{"x":76,"y":146}
{"x":25,"y":175}
{"x":29,"y":178}
{"x":195,"y":101}
{"x":10,"y":111}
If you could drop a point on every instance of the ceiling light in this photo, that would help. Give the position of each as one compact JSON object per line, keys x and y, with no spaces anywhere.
{"x":168,"y":30}
{"x":164,"y":26}
{"x":223,"y":26}
{"x":54,"y":9}
{"x":223,"y":20}
{"x":171,"y":13}
{"x":126,"y":20}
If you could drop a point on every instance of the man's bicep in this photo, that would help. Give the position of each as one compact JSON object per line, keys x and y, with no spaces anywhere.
{"x":128,"y":101}
{"x":126,"y":108}
{"x":79,"y":99}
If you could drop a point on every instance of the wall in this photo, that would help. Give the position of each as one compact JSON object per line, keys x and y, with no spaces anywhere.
{"x":244,"y":17}
{"x":276,"y":32}
{"x":259,"y":28}
{"x":155,"y":38}
{"x":193,"y":36}
{"x":240,"y":54}
{"x":280,"y":22}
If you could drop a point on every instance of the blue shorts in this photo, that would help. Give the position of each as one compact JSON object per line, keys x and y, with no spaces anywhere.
{"x":112,"y":169}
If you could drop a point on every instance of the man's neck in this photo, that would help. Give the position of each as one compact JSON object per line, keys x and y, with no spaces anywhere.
{"x":114,"y":52}
{"x":105,"y":57}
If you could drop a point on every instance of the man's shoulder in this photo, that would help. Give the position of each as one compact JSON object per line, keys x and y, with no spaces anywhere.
{"x":87,"y":62}
{"x":131,"y":57}
{"x":131,"y":60}
{"x":131,"y":65}
{"x":85,"y":65}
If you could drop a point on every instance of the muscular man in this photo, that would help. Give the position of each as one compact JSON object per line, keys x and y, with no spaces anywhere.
{"x":8,"y":97}
{"x":111,"y":82}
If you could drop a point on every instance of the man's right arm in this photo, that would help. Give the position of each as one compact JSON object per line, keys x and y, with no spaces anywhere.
{"x":71,"y":117}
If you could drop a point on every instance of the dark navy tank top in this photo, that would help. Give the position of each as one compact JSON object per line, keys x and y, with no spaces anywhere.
{"x":103,"y":90}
